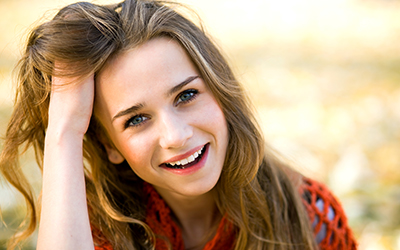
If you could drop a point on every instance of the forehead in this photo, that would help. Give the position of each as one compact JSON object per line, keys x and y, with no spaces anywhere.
{"x":152,"y":59}
{"x":144,"y":58}
{"x":130,"y":76}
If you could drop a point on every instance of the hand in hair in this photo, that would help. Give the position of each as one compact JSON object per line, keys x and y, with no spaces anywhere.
{"x":64,"y":220}
{"x":71,"y":103}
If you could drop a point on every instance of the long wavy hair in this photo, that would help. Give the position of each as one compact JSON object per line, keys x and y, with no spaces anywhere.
{"x":254,"y":190}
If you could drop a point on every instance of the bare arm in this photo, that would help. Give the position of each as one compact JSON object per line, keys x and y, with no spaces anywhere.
{"x":64,"y":220}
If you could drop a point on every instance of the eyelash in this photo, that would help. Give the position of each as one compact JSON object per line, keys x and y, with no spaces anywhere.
{"x":130,"y":120}
{"x":192,"y":92}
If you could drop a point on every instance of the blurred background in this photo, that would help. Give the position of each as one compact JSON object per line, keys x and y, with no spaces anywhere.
{"x":324,"y":76}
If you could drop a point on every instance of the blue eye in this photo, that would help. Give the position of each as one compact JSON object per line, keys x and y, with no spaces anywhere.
{"x":135,"y":121}
{"x":187,"y":96}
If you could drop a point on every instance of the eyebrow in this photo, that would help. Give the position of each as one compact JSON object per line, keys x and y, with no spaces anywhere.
{"x":127,"y":111}
{"x":139,"y":106}
{"x":181,"y":85}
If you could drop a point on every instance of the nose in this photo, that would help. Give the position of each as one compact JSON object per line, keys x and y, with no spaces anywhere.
{"x":174,"y":130}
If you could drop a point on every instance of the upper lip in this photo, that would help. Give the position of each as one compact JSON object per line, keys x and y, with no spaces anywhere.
{"x":184,"y":156}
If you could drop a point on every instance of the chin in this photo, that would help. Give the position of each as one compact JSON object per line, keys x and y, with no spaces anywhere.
{"x":197,"y":188}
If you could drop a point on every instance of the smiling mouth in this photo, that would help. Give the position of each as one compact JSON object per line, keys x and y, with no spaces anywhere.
{"x":188,"y":162}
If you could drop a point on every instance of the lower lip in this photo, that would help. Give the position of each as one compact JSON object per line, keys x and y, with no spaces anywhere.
{"x":191,"y":169}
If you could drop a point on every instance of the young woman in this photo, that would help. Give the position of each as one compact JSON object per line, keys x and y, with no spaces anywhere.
{"x":146,"y":141}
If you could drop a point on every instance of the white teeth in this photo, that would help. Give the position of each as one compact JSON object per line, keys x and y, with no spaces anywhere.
{"x":187,"y":160}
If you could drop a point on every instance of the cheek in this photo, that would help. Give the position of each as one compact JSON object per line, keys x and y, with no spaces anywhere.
{"x":215,"y":113}
{"x":136,"y":150}
{"x":214,"y":120}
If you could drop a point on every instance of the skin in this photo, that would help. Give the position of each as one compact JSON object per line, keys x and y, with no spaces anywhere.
{"x":170,"y":126}
{"x":64,"y":222}
{"x":167,"y":124}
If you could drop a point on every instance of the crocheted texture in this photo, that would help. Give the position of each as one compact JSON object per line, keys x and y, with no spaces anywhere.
{"x":160,"y":221}
{"x":327,"y":217}
{"x":100,"y":242}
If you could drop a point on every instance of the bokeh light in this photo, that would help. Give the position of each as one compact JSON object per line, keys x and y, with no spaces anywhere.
{"x":324,"y":76}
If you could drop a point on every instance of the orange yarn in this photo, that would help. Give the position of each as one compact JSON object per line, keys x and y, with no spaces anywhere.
{"x":160,"y":221}
{"x":329,"y":222}
{"x":330,"y":219}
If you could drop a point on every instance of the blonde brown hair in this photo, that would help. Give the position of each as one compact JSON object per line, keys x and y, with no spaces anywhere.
{"x":253,"y":190}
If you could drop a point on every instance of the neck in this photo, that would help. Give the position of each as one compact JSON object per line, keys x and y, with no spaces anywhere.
{"x":196,"y":216}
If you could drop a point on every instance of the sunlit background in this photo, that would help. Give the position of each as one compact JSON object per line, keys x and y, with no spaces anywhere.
{"x":324,"y":76}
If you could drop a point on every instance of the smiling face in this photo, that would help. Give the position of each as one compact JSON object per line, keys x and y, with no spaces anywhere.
{"x":162,"y":118}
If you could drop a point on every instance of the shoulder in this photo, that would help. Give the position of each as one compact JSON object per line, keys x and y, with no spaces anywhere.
{"x":327,"y":216}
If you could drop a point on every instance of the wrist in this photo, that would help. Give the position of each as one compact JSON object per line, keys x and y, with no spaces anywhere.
{"x":63,"y":135}
{"x":61,"y":128}
{"x":63,"y":150}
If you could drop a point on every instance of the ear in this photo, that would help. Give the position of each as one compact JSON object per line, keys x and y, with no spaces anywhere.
{"x":114,"y":156}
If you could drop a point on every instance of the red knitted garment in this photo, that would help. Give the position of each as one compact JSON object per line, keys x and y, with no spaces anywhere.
{"x":329,"y":222}
{"x":160,"y":221}
{"x":327,"y":217}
